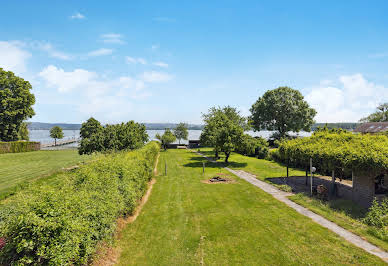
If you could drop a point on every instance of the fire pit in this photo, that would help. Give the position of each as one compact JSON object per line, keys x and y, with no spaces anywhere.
{"x":217,"y":179}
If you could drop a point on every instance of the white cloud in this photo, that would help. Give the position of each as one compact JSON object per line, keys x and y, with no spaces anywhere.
{"x":67,"y":81}
{"x":100,"y":52}
{"x":77,"y":15}
{"x":13,"y":57}
{"x":160,"y":64}
{"x":354,"y":98}
{"x":52,"y":52}
{"x":132,"y":60}
{"x":156,"y":77}
{"x":112,"y":38}
{"x":94,"y":94}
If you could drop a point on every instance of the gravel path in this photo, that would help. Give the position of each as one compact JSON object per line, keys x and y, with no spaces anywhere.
{"x":283,"y":197}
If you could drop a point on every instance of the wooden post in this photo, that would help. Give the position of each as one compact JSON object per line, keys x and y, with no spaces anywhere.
{"x":332,"y":182}
{"x":165,"y":168}
{"x":288,"y":162}
{"x":203,"y":167}
{"x":307,"y":175}
{"x":311,"y":176}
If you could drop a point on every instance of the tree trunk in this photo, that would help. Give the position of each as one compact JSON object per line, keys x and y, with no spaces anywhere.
{"x":227,"y":154}
{"x":216,"y":155}
{"x":55,"y":142}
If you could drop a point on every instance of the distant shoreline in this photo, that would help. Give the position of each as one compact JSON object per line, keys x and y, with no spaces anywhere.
{"x":162,"y":126}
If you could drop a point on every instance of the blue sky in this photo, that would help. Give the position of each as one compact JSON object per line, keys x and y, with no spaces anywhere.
{"x":169,"y":61}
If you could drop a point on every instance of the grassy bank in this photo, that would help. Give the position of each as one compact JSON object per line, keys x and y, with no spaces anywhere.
{"x":17,"y":169}
{"x":187,"y":222}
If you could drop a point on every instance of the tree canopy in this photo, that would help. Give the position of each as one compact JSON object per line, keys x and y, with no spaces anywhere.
{"x":224,"y":129}
{"x":181,"y":132}
{"x":167,"y":138}
{"x":381,"y":115}
{"x":90,"y":127}
{"x":98,"y":138}
{"x":56,"y":133}
{"x":16,"y":102}
{"x":282,"y":109}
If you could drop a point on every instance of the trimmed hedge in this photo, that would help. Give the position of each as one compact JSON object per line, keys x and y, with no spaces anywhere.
{"x":62,"y":224}
{"x":19,"y":146}
{"x":344,"y":151}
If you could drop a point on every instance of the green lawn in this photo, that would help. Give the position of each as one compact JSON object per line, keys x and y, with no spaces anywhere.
{"x":187,"y":222}
{"x":263,"y":169}
{"x":18,"y":169}
{"x":346,"y":214}
{"x":342,"y":212}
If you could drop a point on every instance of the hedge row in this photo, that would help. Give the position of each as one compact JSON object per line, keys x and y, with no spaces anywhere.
{"x":19,"y":146}
{"x":62,"y":224}
{"x":341,"y":150}
{"x":252,"y":146}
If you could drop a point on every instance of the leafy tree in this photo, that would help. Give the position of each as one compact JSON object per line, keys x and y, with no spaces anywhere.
{"x":223,"y":130}
{"x":167,"y":138}
{"x":181,"y":132}
{"x":56,"y":133}
{"x":282,"y":109}
{"x":16,"y":102}
{"x":381,"y":115}
{"x":23,"y":132}
{"x":96,"y":138}
{"x":90,"y":127}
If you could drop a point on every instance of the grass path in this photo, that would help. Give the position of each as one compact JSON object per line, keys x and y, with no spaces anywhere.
{"x":186,"y":222}
{"x":19,"y":168}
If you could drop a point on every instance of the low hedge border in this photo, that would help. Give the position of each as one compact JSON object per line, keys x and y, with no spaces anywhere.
{"x":62,"y":224}
{"x":19,"y":146}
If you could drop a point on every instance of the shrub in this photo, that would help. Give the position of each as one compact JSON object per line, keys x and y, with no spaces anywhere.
{"x":62,"y":224}
{"x":251,"y":146}
{"x":378,"y":214}
{"x":19,"y":146}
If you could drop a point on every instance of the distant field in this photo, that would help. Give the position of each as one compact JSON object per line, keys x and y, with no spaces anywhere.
{"x":17,"y":169}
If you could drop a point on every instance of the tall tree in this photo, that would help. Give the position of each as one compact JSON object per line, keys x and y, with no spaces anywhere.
{"x":16,"y":102}
{"x":181,"y":132}
{"x":56,"y":133}
{"x":223,"y":130}
{"x":167,"y":138}
{"x":381,"y":115}
{"x":90,"y":127}
{"x":282,"y":110}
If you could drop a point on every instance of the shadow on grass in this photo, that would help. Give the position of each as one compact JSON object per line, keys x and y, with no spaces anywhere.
{"x":199,"y":160}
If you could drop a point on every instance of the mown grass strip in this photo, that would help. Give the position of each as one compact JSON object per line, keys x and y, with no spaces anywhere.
{"x":188,"y":222}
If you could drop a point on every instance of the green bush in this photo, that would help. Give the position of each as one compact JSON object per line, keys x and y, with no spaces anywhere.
{"x":62,"y":224}
{"x":18,"y":146}
{"x":378,"y":214}
{"x":251,"y":146}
